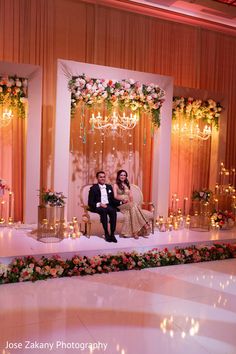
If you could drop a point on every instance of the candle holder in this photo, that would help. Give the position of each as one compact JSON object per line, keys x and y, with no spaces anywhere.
{"x":2,"y":211}
{"x":50,"y":223}
{"x":201,"y":220}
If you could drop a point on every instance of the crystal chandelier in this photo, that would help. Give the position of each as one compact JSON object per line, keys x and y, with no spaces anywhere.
{"x":5,"y":118}
{"x":115,"y":123}
{"x":191,"y":130}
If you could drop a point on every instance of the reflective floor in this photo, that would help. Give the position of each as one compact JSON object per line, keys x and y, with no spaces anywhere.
{"x":178,"y":309}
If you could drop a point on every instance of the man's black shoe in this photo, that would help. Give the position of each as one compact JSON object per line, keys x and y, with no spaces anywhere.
{"x":108,"y":238}
{"x":113,"y":239}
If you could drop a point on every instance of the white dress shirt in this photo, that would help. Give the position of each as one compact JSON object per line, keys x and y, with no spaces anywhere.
{"x":104,"y":196}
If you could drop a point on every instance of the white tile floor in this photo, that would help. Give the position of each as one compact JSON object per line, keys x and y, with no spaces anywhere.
{"x":171,"y":310}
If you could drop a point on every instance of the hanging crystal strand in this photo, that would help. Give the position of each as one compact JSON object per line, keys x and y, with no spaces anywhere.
{"x":130,"y":142}
{"x":82,"y":121}
{"x":102,"y":139}
{"x":145,"y":130}
{"x":130,"y":145}
{"x":95,"y":150}
{"x":152,"y":130}
{"x":84,"y":136}
{"x":93,"y":115}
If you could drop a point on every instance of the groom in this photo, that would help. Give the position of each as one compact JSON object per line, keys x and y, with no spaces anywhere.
{"x":101,"y":200}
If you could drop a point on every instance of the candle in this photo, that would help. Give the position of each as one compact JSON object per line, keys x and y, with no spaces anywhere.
{"x":217,"y":189}
{"x":185,"y":203}
{"x":172,"y":204}
{"x":2,"y":220}
{"x":10,"y":214}
{"x":233,"y":177}
{"x":223,"y":176}
{"x":216,"y":204}
{"x":176,"y":204}
{"x":227,"y":180}
{"x":221,"y":173}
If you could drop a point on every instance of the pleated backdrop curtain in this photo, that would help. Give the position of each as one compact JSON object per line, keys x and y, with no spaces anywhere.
{"x":190,"y":168}
{"x":92,"y":151}
{"x":12,"y":162}
{"x":40,"y":31}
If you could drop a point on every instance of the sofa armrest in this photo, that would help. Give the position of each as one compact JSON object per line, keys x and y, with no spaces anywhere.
{"x":85,"y":215}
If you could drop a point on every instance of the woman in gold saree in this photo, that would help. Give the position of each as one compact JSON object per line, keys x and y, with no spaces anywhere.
{"x":135,"y":224}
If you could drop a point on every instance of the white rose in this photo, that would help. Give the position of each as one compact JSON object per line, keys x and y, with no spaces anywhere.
{"x":18,"y":83}
{"x":77,"y":94}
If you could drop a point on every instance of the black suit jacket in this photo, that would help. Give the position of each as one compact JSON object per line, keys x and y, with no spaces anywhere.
{"x":95,"y":196}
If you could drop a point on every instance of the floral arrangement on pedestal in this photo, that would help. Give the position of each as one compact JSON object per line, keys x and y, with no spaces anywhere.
{"x":223,"y":219}
{"x":117,"y":94}
{"x":13,"y":93}
{"x":202,"y":195}
{"x":32,"y":269}
{"x":208,"y":111}
{"x":51,"y":198}
{"x":3,"y":187}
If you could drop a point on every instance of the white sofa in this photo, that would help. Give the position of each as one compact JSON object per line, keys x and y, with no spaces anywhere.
{"x":91,"y":220}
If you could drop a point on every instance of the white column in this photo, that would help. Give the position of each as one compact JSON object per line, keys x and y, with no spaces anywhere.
{"x":161,"y":153}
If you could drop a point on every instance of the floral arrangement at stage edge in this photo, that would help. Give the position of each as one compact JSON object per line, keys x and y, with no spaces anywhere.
{"x":32,"y":269}
{"x":13,"y":93}
{"x":49,"y":197}
{"x":208,"y":111}
{"x":3,"y":187}
{"x":223,"y":219}
{"x":122,"y":94}
{"x":204,"y":195}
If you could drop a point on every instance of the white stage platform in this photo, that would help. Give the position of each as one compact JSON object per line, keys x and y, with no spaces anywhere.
{"x":18,"y":242}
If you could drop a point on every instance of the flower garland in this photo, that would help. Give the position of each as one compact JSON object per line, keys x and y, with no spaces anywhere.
{"x":13,"y":93}
{"x":209,"y":111}
{"x":122,"y":94}
{"x":204,"y":195}
{"x":31,"y":269}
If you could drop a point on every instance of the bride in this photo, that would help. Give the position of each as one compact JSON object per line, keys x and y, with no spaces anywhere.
{"x":135,"y":224}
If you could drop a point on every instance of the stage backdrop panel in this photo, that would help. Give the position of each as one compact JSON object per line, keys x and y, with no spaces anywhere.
{"x":161,"y":144}
{"x":31,"y":181}
{"x":195,"y":163}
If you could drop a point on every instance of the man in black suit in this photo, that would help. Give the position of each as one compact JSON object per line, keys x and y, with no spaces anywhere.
{"x":101,"y":200}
